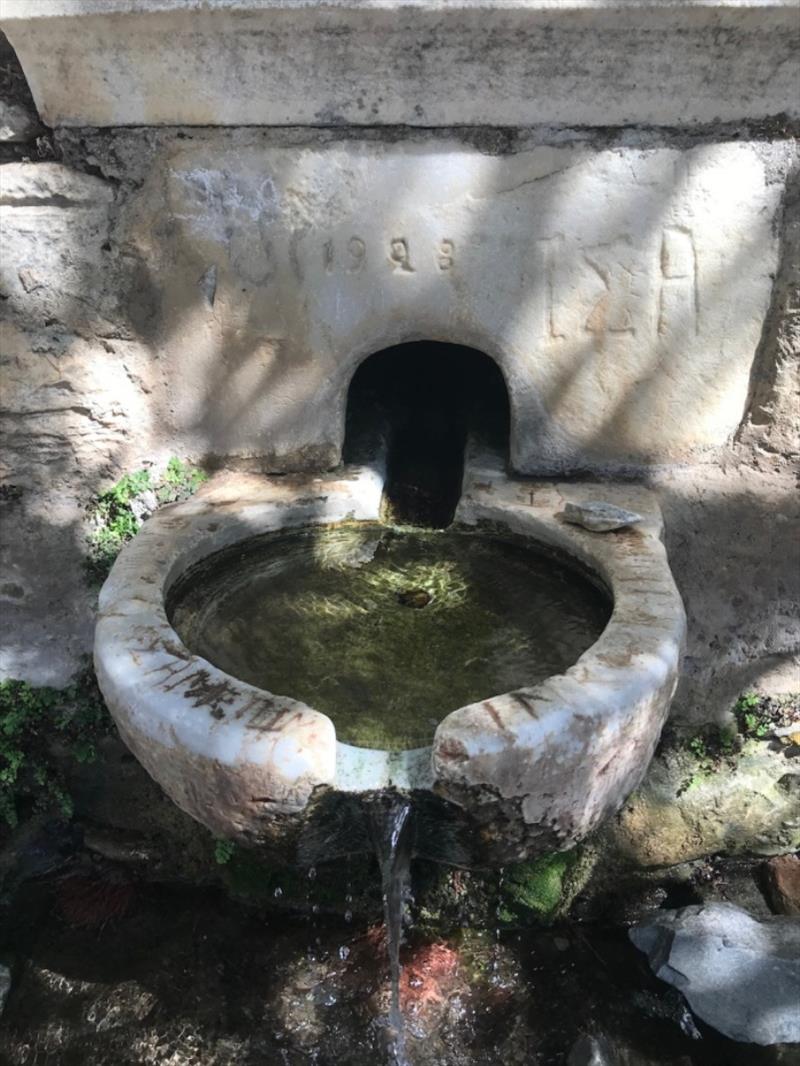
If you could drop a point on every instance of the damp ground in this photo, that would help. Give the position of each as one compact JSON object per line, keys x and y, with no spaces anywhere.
{"x":179,"y":976}
{"x":386,"y":629}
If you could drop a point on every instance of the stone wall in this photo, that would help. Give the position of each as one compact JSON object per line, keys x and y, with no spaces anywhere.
{"x":209,"y":293}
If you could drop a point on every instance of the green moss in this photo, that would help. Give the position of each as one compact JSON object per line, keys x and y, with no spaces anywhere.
{"x":113,"y":515}
{"x":30,"y":720}
{"x":223,"y":851}
{"x":541,"y":888}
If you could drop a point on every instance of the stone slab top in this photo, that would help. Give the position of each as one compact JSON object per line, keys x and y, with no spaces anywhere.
{"x":428,"y":63}
{"x":59,"y":8}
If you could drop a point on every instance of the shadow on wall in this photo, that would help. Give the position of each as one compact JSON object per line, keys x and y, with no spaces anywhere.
{"x":270,"y":302}
{"x":133,"y":331}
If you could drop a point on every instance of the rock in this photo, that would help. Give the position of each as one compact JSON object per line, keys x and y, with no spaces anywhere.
{"x":600,"y":517}
{"x":739,"y":975}
{"x":592,"y":1051}
{"x":17,"y":122}
{"x":144,"y":505}
{"x":5,"y":985}
{"x":681,"y":811}
{"x":36,"y":848}
{"x":417,"y":598}
{"x":599,"y":1050}
{"x":671,"y":1007}
{"x":51,"y":185}
{"x":782,"y":884}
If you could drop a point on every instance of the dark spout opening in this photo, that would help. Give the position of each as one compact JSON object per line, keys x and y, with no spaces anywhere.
{"x":424,"y":400}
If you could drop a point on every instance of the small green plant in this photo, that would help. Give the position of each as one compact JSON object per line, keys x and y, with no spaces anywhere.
{"x":116,"y":514}
{"x":710,"y":748}
{"x":180,"y":481}
{"x":697,"y":746}
{"x":223,"y":851}
{"x":753,"y":718}
{"x":694,"y":781}
{"x":727,"y":739}
{"x":114,"y":521}
{"x":30,"y":719}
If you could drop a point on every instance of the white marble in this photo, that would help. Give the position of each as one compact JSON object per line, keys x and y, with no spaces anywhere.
{"x":409,"y":62}
{"x":554,"y":759}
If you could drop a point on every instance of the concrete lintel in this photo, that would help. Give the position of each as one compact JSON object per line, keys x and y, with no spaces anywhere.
{"x":407,"y":62}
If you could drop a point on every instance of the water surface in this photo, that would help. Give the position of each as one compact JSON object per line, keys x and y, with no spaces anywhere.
{"x":387,"y":630}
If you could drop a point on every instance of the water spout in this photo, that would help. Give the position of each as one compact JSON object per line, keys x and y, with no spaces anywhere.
{"x":390,"y":825}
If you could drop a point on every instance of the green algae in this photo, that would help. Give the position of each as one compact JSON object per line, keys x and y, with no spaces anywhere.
{"x":542,"y":890}
{"x":330,"y":617}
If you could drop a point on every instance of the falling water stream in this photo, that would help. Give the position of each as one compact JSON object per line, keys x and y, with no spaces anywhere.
{"x":390,"y":824}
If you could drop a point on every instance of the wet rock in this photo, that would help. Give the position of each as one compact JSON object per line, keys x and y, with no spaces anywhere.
{"x":17,"y":122}
{"x":5,"y":985}
{"x":116,"y":846}
{"x":781,"y":877}
{"x":600,"y":1050}
{"x":593,"y":1051}
{"x":600,"y":517}
{"x":739,"y":975}
{"x":414,"y":598}
{"x":670,"y":1007}
{"x":35,"y":849}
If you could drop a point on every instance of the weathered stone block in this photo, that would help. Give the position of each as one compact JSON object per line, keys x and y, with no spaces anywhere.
{"x":410,"y":62}
{"x":622,"y":292}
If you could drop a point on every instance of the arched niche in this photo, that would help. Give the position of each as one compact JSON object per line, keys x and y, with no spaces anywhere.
{"x":419,"y":403}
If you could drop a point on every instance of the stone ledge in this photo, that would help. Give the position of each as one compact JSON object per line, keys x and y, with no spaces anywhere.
{"x":407,"y":62}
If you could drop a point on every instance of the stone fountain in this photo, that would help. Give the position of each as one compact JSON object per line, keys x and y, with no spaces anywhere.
{"x":323,"y":181}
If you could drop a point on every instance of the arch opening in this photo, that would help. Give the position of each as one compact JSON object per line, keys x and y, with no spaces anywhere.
{"x":424,"y":400}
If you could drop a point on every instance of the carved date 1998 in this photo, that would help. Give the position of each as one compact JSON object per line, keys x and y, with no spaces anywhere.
{"x":351,"y":256}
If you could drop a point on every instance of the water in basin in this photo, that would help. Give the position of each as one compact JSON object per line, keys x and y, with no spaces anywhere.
{"x":387,"y":630}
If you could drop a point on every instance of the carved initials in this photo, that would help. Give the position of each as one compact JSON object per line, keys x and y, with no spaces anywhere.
{"x":611,"y":313}
{"x":678,"y":300}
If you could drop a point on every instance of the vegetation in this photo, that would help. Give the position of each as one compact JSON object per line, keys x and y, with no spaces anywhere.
{"x":543,"y":888}
{"x":752,"y":720}
{"x":179,"y":481}
{"x":223,"y":851}
{"x":116,"y":514}
{"x":33,"y":721}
